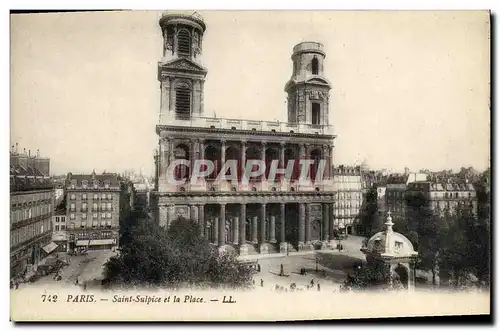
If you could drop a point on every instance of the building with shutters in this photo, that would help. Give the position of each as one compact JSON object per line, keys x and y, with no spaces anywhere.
{"x":261,"y":214}
{"x":349,"y":198}
{"x":441,"y":198}
{"x":31,"y":210}
{"x":92,"y":211}
{"x":59,"y":233}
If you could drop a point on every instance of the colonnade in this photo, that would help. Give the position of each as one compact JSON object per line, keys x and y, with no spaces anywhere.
{"x":196,"y":149}
{"x":224,"y":228}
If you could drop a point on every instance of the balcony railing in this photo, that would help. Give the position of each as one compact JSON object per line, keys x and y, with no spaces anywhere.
{"x":262,"y":186}
{"x":239,"y":124}
{"x":308,"y":45}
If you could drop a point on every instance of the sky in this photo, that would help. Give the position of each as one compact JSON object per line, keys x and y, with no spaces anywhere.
{"x":409,"y":89}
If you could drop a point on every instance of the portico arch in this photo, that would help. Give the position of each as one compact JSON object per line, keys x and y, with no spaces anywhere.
{"x":402,"y":273}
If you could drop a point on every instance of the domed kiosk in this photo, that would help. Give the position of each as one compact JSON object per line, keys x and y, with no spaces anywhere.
{"x":395,"y":252}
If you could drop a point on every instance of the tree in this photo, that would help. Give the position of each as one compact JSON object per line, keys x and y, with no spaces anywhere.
{"x":454,"y":244}
{"x":174,"y":258}
{"x":426,"y":229}
{"x":370,"y":220}
{"x":366,"y":277}
{"x":466,"y":248}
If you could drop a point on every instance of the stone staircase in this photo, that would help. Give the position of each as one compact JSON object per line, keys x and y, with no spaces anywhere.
{"x":272,"y":248}
{"x":252,"y":249}
{"x":292,"y":248}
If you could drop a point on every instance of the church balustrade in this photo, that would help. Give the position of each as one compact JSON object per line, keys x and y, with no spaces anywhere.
{"x":249,"y":125}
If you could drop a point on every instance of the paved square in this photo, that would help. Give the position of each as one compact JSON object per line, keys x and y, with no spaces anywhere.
{"x":333,"y":267}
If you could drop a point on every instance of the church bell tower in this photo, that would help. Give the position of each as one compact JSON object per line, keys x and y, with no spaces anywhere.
{"x":308,"y":89}
{"x":180,"y":71}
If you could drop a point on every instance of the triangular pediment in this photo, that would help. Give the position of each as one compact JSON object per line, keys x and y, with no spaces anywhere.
{"x":313,"y":80}
{"x":318,"y":80}
{"x":183,"y":64}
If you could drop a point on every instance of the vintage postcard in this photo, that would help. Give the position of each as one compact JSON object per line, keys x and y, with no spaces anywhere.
{"x":249,"y":165}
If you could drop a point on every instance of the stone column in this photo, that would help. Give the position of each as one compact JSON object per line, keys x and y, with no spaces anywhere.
{"x":243,"y":157}
{"x":411,"y":277}
{"x":308,"y":223}
{"x":176,"y":42}
{"x":201,"y":219}
{"x":331,"y":226}
{"x":170,"y":214}
{"x":171,"y":106}
{"x":326,"y":222}
{"x":282,"y":159}
{"x":215,"y":230}
{"x":302,"y":224}
{"x":202,"y":149}
{"x":282,"y":155}
{"x":302,"y":156}
{"x":302,"y":151}
{"x":163,"y":157}
{"x":193,"y":213}
{"x":243,"y":217}
{"x":283,"y":244}
{"x":202,"y":83}
{"x":262,"y":223}
{"x":263,"y":176}
{"x":196,"y":150}
{"x":236,"y":230}
{"x":196,"y":97}
{"x":193,"y":149}
{"x":329,"y":162}
{"x":165,"y":96}
{"x":326,"y":226}
{"x":255,"y":230}
{"x":222,"y":153}
{"x":171,"y":155}
{"x":222,"y":225}
{"x":272,"y":229}
{"x":263,"y":246}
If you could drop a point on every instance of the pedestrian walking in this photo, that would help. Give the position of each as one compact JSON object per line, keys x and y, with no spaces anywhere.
{"x":261,"y":282}
{"x":319,"y":287}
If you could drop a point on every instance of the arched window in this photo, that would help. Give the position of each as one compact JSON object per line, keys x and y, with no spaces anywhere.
{"x":184,"y":43}
{"x":183,"y":101}
{"x":315,"y":66}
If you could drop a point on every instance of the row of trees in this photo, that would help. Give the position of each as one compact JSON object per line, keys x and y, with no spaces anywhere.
{"x":180,"y":257}
{"x":452,"y":245}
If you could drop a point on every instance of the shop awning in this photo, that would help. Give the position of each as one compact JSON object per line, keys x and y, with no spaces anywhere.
{"x":50,"y":247}
{"x":103,"y":242}
{"x":96,"y":242}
